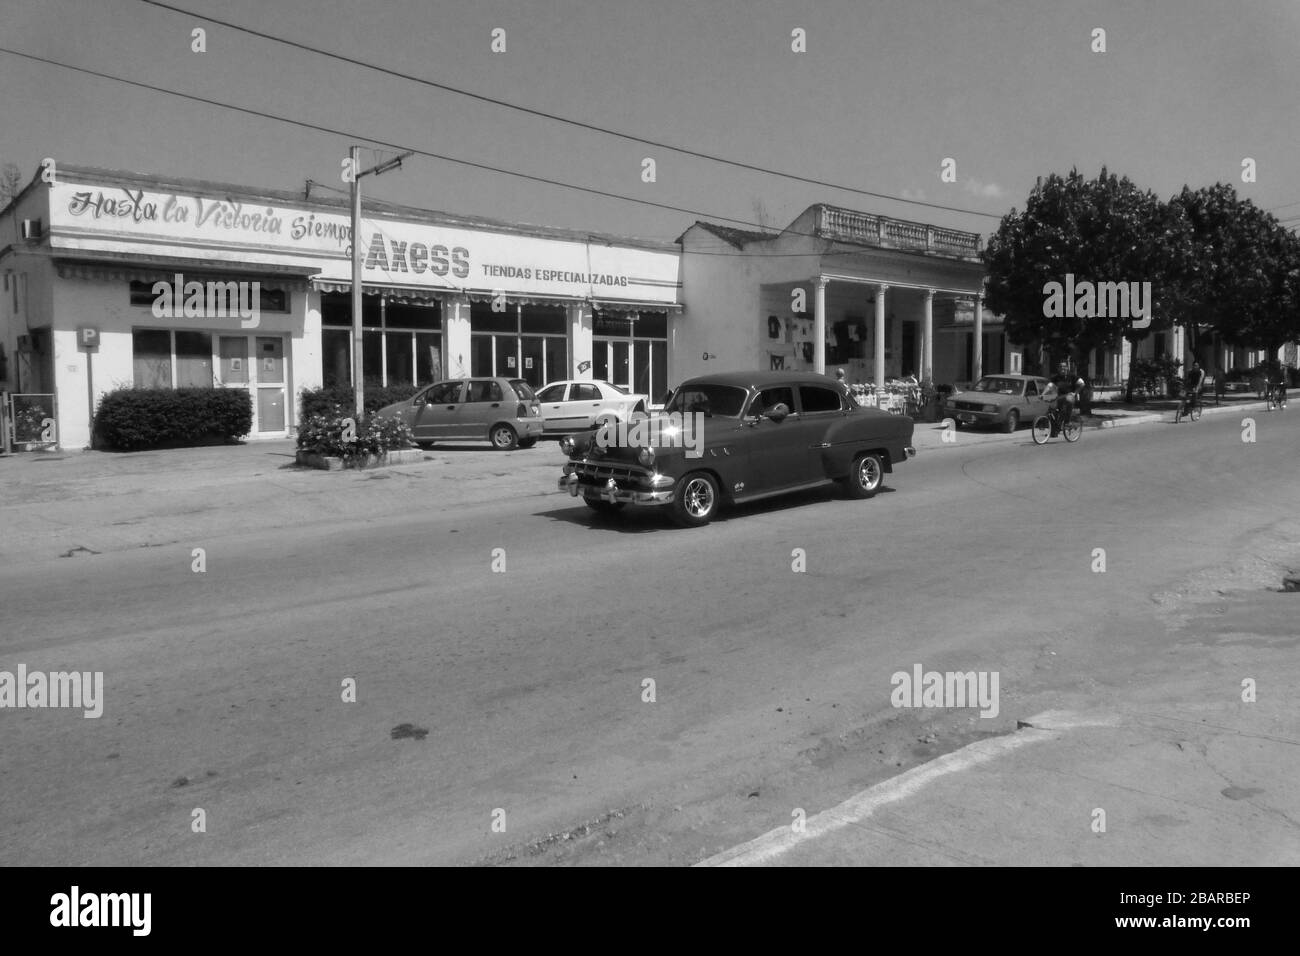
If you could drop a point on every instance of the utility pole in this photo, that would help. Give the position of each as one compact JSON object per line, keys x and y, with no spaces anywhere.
{"x":358,"y":385}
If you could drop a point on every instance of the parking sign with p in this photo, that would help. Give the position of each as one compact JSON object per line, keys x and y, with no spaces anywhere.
{"x":87,"y":338}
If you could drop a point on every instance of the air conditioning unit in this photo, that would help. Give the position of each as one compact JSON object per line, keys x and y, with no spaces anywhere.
{"x":31,"y":229}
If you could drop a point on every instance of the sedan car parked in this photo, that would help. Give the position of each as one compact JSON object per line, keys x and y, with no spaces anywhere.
{"x":577,"y":405}
{"x":736,"y":437}
{"x":500,"y":410}
{"x":1007,"y":401}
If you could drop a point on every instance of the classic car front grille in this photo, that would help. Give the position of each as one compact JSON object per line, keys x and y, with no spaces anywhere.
{"x":968,"y":406}
{"x":603,"y":472}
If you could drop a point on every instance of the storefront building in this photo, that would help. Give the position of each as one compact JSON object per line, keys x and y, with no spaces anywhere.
{"x":881,"y":298}
{"x":444,"y":296}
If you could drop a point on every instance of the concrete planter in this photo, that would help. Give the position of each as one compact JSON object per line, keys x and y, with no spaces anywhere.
{"x":404,"y":456}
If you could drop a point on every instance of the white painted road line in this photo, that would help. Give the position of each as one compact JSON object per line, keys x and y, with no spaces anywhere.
{"x":1046,"y":726}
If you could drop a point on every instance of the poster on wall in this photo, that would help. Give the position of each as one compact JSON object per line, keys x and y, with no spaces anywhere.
{"x":776,"y":361}
{"x":775,"y":328}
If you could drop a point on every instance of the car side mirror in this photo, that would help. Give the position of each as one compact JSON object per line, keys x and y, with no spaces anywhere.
{"x":778,"y":412}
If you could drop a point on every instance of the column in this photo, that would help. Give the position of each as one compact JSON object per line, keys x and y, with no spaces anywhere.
{"x":819,"y":326}
{"x":456,"y":338}
{"x":879,"y":354}
{"x":977,"y":346}
{"x":927,"y":338}
{"x":580,"y":339}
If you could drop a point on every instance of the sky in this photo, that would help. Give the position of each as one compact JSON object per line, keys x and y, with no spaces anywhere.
{"x":886,"y":91}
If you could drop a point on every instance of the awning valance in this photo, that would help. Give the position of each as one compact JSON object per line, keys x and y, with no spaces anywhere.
{"x":624,"y":305}
{"x":165,"y":270}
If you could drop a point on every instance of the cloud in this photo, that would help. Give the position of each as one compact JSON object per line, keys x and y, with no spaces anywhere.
{"x":983,"y":190}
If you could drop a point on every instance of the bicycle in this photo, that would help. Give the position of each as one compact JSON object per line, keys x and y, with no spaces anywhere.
{"x":1191,"y":407}
{"x":1045,"y":426}
{"x":1277,"y":396}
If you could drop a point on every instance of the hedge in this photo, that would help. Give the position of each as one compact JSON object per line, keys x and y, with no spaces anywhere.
{"x":136,"y":418}
{"x":338,"y":399}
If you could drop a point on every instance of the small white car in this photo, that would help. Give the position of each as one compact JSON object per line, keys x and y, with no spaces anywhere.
{"x":576,"y":405}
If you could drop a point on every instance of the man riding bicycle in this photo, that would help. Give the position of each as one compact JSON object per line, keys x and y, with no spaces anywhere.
{"x":1192,"y":383}
{"x":1060,"y":394}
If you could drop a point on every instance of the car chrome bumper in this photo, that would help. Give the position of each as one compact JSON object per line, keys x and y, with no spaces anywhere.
{"x":613,"y":494}
{"x":911,"y":452}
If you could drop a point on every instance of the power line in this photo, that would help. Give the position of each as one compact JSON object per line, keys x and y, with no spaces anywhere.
{"x":394,"y":146}
{"x":752,"y":167}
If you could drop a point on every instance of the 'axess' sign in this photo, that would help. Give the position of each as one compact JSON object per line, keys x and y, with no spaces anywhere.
{"x":396,"y":256}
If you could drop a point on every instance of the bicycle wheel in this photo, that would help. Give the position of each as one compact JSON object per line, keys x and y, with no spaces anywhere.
{"x":1195,"y":413}
{"x":1072,"y":430}
{"x":1041,"y":430}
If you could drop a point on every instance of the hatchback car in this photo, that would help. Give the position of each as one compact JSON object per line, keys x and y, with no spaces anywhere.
{"x":574,"y":406}
{"x":502,"y":411}
{"x":735,"y":437}
{"x":1003,"y":400}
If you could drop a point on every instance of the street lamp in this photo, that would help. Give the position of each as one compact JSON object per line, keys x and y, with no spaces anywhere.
{"x":358,"y":386}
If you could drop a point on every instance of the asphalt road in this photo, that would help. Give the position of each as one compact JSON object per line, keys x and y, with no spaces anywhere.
{"x":772,"y":687}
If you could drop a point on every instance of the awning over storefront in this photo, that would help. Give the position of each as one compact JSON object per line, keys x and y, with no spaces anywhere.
{"x":111,"y":267}
{"x":616,"y":305}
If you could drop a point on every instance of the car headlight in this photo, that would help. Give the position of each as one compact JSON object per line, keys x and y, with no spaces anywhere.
{"x":646,"y":456}
{"x":566,"y":445}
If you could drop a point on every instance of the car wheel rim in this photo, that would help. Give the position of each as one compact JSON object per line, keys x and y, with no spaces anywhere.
{"x":868,"y":473}
{"x":698,"y":498}
{"x":501,"y":437}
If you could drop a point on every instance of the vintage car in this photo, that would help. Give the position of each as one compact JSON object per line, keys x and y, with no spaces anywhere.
{"x":573,"y":406}
{"x":503,"y":411}
{"x":1007,"y":401}
{"x":736,"y":437}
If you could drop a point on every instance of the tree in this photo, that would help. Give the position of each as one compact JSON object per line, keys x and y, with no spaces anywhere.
{"x":11,"y":181}
{"x":1101,"y":230}
{"x":1241,"y":286}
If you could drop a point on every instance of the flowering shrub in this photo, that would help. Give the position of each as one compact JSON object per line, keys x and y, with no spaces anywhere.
{"x":340,"y":436}
{"x":339,"y":398}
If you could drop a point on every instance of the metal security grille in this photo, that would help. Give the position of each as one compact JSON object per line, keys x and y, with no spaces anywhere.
{"x":31,"y":421}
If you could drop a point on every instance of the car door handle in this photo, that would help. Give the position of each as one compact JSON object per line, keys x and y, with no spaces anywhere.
{"x":496,"y":404}
{"x":451,"y":408}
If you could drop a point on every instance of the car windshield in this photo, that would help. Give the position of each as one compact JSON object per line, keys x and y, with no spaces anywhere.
{"x":725,"y":401}
{"x":523,"y":389}
{"x":1003,"y":386}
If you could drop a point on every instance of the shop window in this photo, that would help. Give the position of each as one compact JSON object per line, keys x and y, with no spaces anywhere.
{"x":336,"y":361}
{"x":151,"y":353}
{"x":399,"y":315}
{"x":397,"y":347}
{"x":483,"y":319}
{"x":541,"y":320}
{"x":480,"y":355}
{"x":193,"y":360}
{"x":606,"y":323}
{"x":652,"y":325}
{"x":428,"y":356}
{"x":557,"y":359}
{"x":372,"y":362}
